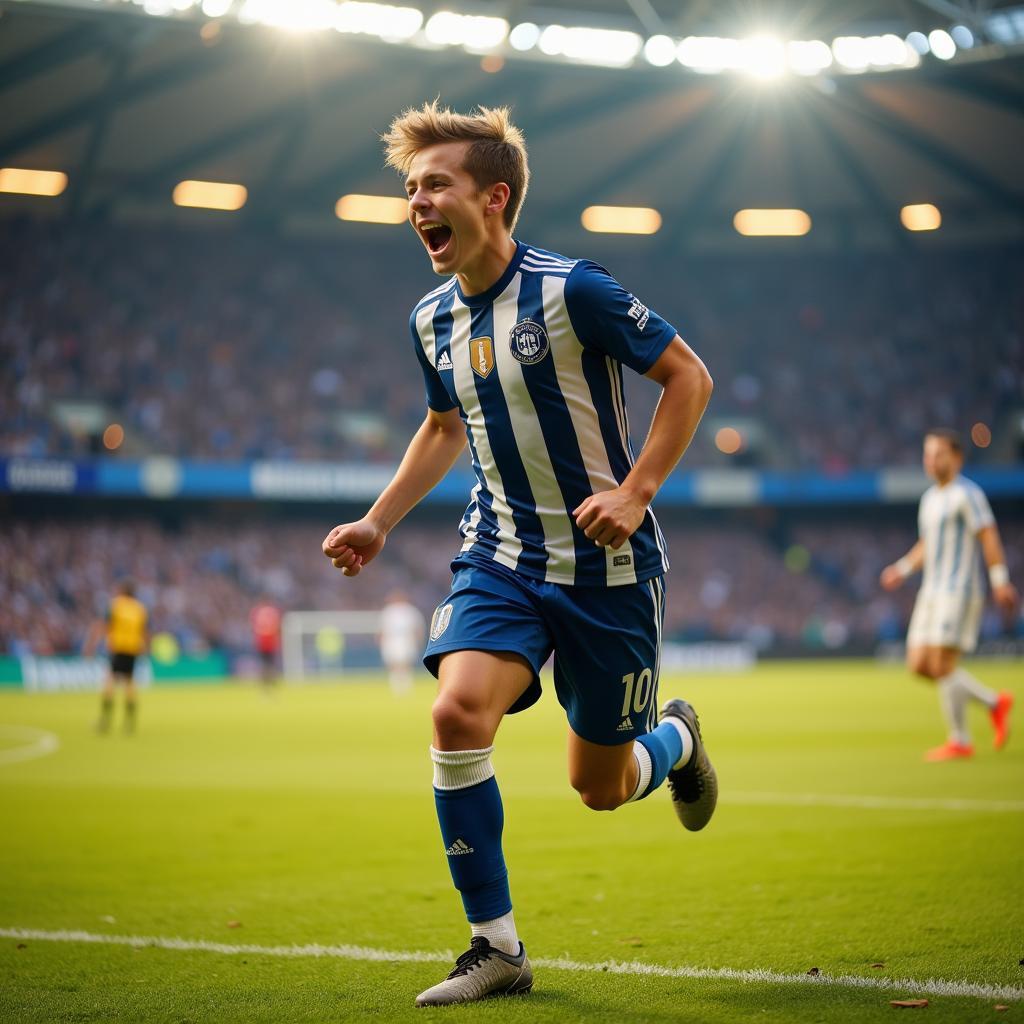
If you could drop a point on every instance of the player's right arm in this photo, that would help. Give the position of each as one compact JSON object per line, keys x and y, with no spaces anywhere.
{"x":431,"y":453}
{"x":913,"y":561}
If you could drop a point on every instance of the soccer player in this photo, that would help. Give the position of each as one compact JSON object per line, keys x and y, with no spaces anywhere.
{"x":522,"y":353}
{"x":127,"y":633}
{"x":401,"y":640}
{"x":954,"y":522}
{"x":265,"y":619}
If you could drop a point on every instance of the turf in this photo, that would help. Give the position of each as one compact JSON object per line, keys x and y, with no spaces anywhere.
{"x":307,"y":818}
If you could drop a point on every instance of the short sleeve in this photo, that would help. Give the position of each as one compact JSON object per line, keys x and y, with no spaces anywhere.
{"x":609,"y":319}
{"x":438,"y":398}
{"x":977,"y":509}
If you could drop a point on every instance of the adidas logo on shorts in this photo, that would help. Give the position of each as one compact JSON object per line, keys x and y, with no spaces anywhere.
{"x":459,"y":846}
{"x":626,"y":725}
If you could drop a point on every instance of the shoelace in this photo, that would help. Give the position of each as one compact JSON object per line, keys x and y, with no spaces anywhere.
{"x":479,"y":951}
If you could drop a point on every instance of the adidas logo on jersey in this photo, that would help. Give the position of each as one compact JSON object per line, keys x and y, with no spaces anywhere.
{"x":459,"y":846}
{"x":444,"y":361}
{"x":626,"y":725}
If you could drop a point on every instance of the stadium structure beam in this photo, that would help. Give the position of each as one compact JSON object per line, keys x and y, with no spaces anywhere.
{"x":848,"y":160}
{"x":82,"y":179}
{"x":223,"y":141}
{"x":679,"y":135}
{"x":914,"y":139}
{"x":145,"y":86}
{"x":54,"y":52}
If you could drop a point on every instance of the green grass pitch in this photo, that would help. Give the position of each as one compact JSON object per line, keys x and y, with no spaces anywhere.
{"x":307,"y":817}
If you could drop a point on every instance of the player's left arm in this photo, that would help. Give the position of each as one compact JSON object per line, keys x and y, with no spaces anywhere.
{"x":1004,"y":593}
{"x":609,"y":518}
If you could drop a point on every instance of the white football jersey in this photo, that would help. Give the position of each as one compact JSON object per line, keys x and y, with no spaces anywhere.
{"x":948,"y":520}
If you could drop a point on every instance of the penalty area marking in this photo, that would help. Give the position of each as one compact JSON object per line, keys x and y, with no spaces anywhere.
{"x":880,"y":803}
{"x":31,"y":743}
{"x":931,"y":986}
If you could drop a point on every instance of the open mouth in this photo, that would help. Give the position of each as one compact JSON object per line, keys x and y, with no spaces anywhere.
{"x":437,"y":238}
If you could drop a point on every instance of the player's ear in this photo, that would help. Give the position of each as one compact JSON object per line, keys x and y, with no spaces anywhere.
{"x":497,"y":199}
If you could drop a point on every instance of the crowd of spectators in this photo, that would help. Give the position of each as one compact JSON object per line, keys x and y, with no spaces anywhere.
{"x":802,"y":587}
{"x":235,"y":345}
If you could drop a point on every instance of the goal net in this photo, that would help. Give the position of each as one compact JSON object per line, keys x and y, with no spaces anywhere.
{"x":315,"y":644}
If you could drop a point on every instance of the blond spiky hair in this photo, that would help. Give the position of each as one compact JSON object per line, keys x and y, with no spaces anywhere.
{"x":497,"y":150}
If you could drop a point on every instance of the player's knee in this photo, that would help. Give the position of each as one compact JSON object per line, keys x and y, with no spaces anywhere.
{"x":455,"y":719}
{"x":920,"y":666}
{"x":597,"y":797}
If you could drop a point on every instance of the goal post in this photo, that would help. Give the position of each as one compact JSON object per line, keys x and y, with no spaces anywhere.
{"x":318,"y":643}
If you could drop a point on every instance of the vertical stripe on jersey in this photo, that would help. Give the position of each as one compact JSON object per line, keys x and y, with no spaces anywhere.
{"x":592,"y":413}
{"x":434,"y":325}
{"x":520,"y":536}
{"x":558,"y":453}
{"x":958,"y":540}
{"x":536,"y":442}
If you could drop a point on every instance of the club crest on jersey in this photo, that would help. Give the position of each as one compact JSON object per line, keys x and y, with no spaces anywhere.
{"x":481,"y":356}
{"x":529,"y":342}
{"x":439,"y":623}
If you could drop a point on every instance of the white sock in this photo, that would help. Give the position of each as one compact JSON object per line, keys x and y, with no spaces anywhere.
{"x":460,"y":769}
{"x":685,"y":735}
{"x":642,"y":756}
{"x":974,"y":688}
{"x":953,"y":702}
{"x":500,"y":933}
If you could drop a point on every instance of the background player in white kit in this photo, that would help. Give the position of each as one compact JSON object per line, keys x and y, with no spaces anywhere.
{"x":954,"y":521}
{"x":402,"y":632}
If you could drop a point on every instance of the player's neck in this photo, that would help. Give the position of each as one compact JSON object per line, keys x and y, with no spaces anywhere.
{"x":487,"y":266}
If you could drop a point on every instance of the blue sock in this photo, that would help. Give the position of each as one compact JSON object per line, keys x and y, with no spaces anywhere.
{"x":471,"y":820}
{"x":664,"y":746}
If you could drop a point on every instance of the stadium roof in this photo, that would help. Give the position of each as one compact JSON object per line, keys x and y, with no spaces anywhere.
{"x":128,"y":105}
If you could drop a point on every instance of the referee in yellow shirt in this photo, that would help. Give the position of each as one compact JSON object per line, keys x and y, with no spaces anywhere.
{"x":127,"y":631}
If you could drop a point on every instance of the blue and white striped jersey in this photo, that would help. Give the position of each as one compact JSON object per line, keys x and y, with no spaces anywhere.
{"x":948,"y":521}
{"x":534,"y":365}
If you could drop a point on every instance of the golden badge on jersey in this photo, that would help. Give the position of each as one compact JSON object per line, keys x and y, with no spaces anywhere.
{"x":481,"y":356}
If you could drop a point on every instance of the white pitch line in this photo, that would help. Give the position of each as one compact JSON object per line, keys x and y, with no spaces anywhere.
{"x":34,"y":743}
{"x":881,"y":803}
{"x":931,"y":986}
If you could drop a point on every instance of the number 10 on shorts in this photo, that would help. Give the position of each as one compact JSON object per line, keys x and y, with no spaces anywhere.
{"x":638,"y":691}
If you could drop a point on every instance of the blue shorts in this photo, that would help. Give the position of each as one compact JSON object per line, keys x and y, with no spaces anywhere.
{"x":606,"y":641}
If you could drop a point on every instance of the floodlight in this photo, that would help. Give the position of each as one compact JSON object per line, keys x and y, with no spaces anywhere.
{"x":372,"y":209}
{"x":942,"y":44}
{"x":779,"y":222}
{"x":621,"y":220}
{"x":660,"y":51}
{"x":762,"y":57}
{"x":962,"y":36}
{"x":392,"y":24}
{"x":27,"y":182}
{"x":808,"y":56}
{"x":918,"y":42}
{"x":210,"y":195}
{"x":921,"y":217}
{"x":524,"y":36}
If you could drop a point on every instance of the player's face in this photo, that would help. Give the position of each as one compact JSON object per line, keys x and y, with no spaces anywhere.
{"x":446,"y":207}
{"x":940,"y":462}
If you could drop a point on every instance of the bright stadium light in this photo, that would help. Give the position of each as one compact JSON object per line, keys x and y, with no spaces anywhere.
{"x":708,"y":54}
{"x":808,"y":56}
{"x":772,"y":222}
{"x":524,"y":36}
{"x":392,"y":24}
{"x":621,"y":220}
{"x":762,"y":57}
{"x":941,"y":43}
{"x":216,"y":8}
{"x":660,"y":51}
{"x":210,"y":195}
{"x":474,"y":33}
{"x":372,"y":209}
{"x":22,"y":181}
{"x":921,"y":217}
{"x":918,"y":42}
{"x":962,"y":36}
